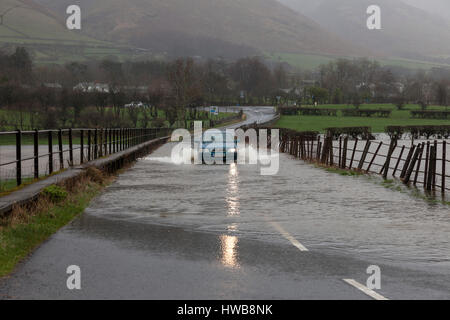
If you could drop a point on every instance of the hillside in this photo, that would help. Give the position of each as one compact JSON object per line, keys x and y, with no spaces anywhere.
{"x":407,"y":31}
{"x":43,"y":32}
{"x":438,"y":7}
{"x":206,"y":27}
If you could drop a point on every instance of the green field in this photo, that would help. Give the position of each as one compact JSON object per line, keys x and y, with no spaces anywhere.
{"x":319,"y":123}
{"x":308,"y":61}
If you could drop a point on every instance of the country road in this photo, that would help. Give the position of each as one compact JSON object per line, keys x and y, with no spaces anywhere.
{"x":167,"y":231}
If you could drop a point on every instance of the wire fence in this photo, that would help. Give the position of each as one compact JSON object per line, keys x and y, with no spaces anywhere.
{"x":425,"y":163}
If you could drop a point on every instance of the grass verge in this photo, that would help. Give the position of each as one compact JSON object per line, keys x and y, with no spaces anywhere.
{"x":10,"y":185}
{"x":25,"y":228}
{"x":397,"y":118}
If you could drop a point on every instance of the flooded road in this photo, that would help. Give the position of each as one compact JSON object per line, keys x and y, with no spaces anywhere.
{"x":319,"y":208}
{"x":168,"y":231}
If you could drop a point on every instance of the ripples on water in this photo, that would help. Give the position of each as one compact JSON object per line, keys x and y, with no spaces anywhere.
{"x":322,"y":210}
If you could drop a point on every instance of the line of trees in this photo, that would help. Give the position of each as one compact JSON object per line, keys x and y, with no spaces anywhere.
{"x":48,"y":96}
{"x":362,"y":80}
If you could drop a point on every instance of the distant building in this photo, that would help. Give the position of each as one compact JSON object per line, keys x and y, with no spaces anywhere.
{"x":92,"y":87}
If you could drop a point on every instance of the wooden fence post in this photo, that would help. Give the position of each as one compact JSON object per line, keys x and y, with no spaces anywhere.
{"x":114,"y":142}
{"x":408,"y":160}
{"x":434,"y":164}
{"x":110,"y":140}
{"x":364,"y":155}
{"x":95,"y":143}
{"x":324,"y":150}
{"x":419,"y":163}
{"x":89,"y":144}
{"x":344,"y":153}
{"x":50,"y":151}
{"x":122,"y":139}
{"x":60,"y":150}
{"x":105,"y":141}
{"x":318,"y":149}
{"x":353,"y":153}
{"x":100,"y":142}
{"x":431,"y":168}
{"x":70,"y":147}
{"x":81,"y":146}
{"x":36,"y":154}
{"x":374,"y":156}
{"x":398,"y":160}
{"x":412,"y":164}
{"x":19,"y":157}
{"x":444,"y":155}
{"x":427,"y":165}
{"x":331,"y":152}
{"x":392,"y":147}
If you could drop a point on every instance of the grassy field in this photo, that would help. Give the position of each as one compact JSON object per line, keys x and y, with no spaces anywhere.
{"x":308,"y":61}
{"x":319,"y":123}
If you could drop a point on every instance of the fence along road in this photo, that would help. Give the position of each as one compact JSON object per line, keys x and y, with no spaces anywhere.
{"x":225,"y":232}
{"x":425,"y":163}
{"x":53,"y":150}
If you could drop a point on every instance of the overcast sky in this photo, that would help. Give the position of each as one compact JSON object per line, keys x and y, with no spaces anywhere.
{"x":441,"y":7}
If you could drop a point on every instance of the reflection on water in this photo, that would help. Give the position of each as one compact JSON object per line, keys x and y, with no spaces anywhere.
{"x":233,"y":191}
{"x":232,"y":228}
{"x":229,"y":243}
{"x":229,"y":252}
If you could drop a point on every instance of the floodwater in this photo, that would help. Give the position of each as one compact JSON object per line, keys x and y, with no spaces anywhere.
{"x":169,"y":230}
{"x":354,"y":216}
{"x":382,"y":144}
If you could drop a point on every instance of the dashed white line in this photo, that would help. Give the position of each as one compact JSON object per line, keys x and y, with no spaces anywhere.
{"x":288,"y":236}
{"x":301,"y":247}
{"x":364,"y":289}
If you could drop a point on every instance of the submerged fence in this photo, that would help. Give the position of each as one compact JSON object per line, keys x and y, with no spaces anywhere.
{"x":33,"y":154}
{"x":423,"y":163}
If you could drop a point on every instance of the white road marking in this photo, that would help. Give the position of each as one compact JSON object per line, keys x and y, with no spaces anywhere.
{"x":364,"y":289}
{"x":287,"y":235}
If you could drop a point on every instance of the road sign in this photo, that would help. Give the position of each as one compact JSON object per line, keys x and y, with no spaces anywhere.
{"x":214,"y":110}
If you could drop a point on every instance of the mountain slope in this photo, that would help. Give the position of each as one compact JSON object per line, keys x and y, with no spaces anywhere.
{"x":438,"y":7}
{"x":206,"y":27}
{"x":407,"y":31}
{"x":25,"y":20}
{"x":44,"y":33}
